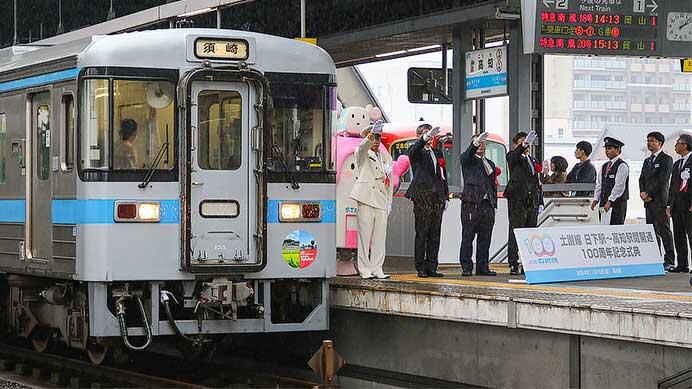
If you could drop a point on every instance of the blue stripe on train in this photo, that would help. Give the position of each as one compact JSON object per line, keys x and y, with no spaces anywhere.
{"x":42,"y":79}
{"x":83,"y":211}
{"x":328,"y":210}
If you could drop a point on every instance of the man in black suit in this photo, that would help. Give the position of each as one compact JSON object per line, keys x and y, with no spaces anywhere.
{"x":429,"y":193}
{"x":612,"y":188}
{"x":680,"y":201}
{"x":478,"y":203}
{"x":523,"y":193}
{"x":653,"y":190}
{"x":583,"y":172}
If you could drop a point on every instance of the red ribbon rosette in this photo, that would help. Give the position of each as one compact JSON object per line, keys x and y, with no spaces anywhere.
{"x":538,"y":167}
{"x":441,"y":162}
{"x":498,"y":172}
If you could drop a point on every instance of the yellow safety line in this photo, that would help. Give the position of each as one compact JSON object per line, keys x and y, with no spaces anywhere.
{"x":412,"y":278}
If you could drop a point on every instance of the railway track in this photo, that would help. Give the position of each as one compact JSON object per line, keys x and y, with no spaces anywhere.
{"x":144,"y":370}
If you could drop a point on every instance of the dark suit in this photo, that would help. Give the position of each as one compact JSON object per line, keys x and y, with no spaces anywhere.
{"x":429,"y":192}
{"x":582,"y":173}
{"x":524,"y":196}
{"x":479,"y":200}
{"x":680,"y":202}
{"x":654,"y":180}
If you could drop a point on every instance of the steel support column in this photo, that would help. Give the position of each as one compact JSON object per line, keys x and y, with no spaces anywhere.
{"x":462,"y":110}
{"x":519,"y":83}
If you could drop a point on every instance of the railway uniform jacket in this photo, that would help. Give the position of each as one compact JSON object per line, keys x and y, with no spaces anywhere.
{"x":655,"y":179}
{"x":373,"y":186}
{"x":429,"y":181}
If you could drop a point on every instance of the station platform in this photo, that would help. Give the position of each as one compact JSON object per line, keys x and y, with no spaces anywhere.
{"x":648,"y":309}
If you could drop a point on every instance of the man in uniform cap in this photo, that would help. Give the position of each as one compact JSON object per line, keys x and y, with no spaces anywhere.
{"x":373,"y":194}
{"x":612,"y":188}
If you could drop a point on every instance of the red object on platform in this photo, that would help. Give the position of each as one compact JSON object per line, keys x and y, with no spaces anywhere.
{"x":441,"y":162}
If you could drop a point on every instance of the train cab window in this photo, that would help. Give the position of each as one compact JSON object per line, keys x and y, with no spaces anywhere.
{"x":68,"y":118}
{"x":220,"y":130}
{"x":300,"y":116}
{"x":43,"y":142}
{"x":3,"y":147}
{"x":142,"y":125}
{"x":497,"y":153}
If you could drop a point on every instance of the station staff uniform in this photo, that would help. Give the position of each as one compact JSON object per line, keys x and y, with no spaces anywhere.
{"x":373,"y":194}
{"x":613,"y":185}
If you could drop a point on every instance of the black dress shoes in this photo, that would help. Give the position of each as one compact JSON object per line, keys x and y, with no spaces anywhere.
{"x":486,"y":273}
{"x":435,"y":274}
{"x":668,"y":267}
{"x":422,"y":274}
{"x":679,"y":269}
{"x":516,"y":270}
{"x":466,"y":273}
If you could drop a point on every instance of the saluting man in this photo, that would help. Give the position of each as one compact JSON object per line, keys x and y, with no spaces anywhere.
{"x":612,"y":186}
{"x":373,"y":194}
{"x":429,"y":193}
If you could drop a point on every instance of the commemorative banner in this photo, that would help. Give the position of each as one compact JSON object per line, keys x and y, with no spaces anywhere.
{"x":556,"y":254}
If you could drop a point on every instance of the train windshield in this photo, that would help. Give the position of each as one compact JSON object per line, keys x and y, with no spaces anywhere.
{"x":300,"y":127}
{"x":125,"y":123}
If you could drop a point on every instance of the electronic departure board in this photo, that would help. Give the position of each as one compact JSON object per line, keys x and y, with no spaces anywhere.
{"x":639,"y":28}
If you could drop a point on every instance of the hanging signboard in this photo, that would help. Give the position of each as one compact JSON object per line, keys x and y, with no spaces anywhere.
{"x":556,"y":254}
{"x":486,"y":73}
{"x":608,"y":27}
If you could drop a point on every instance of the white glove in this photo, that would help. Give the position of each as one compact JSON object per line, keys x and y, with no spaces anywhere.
{"x":431,"y":134}
{"x":377,"y":127}
{"x":530,"y":138}
{"x":540,"y":209}
{"x":482,"y":137}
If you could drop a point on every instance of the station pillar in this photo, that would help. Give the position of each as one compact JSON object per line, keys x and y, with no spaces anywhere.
{"x":462,"y":109}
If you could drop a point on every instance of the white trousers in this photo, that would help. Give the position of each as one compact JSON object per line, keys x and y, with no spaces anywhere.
{"x":372,"y":236}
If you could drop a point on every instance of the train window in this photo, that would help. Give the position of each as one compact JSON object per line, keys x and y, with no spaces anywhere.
{"x":497,"y":153}
{"x":95,"y":119}
{"x":297,"y":124}
{"x":43,"y":142}
{"x":220,"y":130}
{"x":3,"y":147}
{"x":68,"y":132}
{"x":143,"y":122}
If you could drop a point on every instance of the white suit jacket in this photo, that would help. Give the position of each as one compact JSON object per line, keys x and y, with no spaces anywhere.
{"x":374,"y":184}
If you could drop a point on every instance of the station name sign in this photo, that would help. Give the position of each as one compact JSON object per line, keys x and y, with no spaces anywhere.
{"x":608,"y":27}
{"x":225,"y":49}
{"x":486,"y":73}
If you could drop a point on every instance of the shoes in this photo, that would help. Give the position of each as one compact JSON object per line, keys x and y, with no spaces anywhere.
{"x":422,"y":274}
{"x":486,"y":273}
{"x":382,"y":276}
{"x":668,"y":267}
{"x":367,"y":276}
{"x":679,"y":269}
{"x":467,"y":273}
{"x":435,"y":274}
{"x":515,"y":270}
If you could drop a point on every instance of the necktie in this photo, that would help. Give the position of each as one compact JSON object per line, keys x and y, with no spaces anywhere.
{"x":486,"y":166}
{"x":531,"y":168}
{"x":650,"y":163}
{"x":610,"y":165}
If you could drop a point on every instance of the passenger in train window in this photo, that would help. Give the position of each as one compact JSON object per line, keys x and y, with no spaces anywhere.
{"x":126,"y":154}
{"x":583,"y":172}
{"x":372,"y":192}
{"x":654,"y":182}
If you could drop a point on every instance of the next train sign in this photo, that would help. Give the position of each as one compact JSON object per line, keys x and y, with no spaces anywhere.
{"x":639,"y":28}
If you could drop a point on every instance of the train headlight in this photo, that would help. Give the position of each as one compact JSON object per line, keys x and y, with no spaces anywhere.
{"x":150,"y":212}
{"x":300,"y":211}
{"x":289,"y":212}
{"x":137,"y":211}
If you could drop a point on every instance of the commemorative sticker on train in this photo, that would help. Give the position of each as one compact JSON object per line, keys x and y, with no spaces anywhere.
{"x":223,"y":49}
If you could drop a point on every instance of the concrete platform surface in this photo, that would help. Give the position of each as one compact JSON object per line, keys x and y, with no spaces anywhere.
{"x":648,"y":309}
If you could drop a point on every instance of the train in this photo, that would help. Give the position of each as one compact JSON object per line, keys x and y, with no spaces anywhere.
{"x":166,"y":183}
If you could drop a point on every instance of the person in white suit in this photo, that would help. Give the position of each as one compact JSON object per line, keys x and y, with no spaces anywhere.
{"x":373,"y":193}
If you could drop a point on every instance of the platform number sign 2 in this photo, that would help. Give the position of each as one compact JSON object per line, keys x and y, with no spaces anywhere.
{"x":561,"y":4}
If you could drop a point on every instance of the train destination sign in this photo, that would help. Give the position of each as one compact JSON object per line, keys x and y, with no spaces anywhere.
{"x":608,"y":27}
{"x":230,"y":49}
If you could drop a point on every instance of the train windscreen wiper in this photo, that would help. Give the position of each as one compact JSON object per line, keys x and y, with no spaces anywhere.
{"x":284,"y":165}
{"x":163,"y":152}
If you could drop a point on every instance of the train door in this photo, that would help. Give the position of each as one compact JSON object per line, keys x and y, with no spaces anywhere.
{"x":39,"y":226}
{"x":220,"y":209}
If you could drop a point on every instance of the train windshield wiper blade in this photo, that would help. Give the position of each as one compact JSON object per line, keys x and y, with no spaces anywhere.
{"x":159,"y":156}
{"x":284,"y":166}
